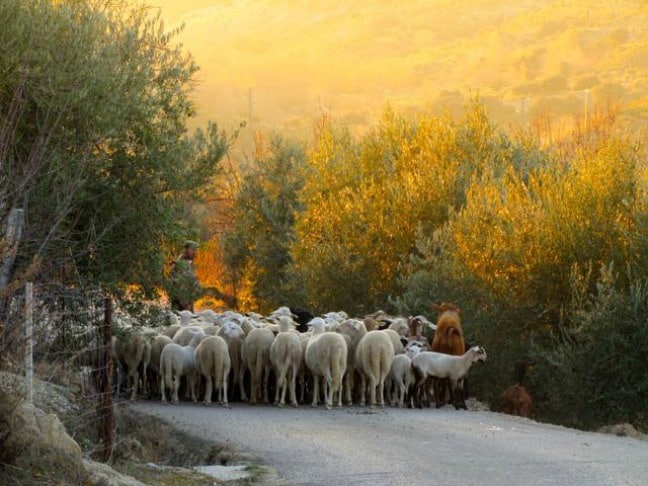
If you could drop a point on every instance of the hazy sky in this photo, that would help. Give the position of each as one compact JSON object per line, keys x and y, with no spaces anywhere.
{"x":282,"y":63}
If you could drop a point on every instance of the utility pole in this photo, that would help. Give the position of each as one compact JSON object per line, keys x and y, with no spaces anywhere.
{"x":587,"y":92}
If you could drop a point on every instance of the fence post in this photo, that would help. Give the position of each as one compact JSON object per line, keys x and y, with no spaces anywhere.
{"x":106,"y":417}
{"x":29,"y":344}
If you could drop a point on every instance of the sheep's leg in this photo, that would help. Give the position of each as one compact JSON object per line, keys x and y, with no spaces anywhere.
{"x":192,"y":379}
{"x":208,"y":391}
{"x":372,"y":392}
{"x":381,"y":393}
{"x":162,"y":388}
{"x":144,"y":378}
{"x":176,"y":386}
{"x":223,"y":400}
{"x":363,"y":390}
{"x":339,"y":391}
{"x":118,"y":371}
{"x":292,"y":383}
{"x":266,"y":385}
{"x":134,"y":379}
{"x":280,"y":388}
{"x":241,"y":377}
{"x":315,"y":389}
{"x":348,"y":385}
{"x":328,"y":392}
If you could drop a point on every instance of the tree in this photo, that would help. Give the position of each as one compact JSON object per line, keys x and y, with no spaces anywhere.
{"x":256,"y":246}
{"x":94,"y":100}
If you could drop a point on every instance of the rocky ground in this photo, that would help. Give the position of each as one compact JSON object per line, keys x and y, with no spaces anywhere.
{"x":53,"y":442}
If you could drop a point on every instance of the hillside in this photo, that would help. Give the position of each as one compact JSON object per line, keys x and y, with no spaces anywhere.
{"x":287,"y":62}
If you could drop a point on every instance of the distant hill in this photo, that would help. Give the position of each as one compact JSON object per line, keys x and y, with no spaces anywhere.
{"x":285,"y":63}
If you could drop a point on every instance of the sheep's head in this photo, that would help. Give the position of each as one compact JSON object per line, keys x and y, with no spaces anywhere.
{"x":479,"y":354}
{"x":232,"y":330}
{"x":317,"y":324}
{"x":413,"y":348}
{"x":444,"y":307}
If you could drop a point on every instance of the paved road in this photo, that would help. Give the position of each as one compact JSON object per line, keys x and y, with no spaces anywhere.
{"x":360,"y":446}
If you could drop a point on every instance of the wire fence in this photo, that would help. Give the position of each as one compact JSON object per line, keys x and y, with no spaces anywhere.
{"x":62,"y":336}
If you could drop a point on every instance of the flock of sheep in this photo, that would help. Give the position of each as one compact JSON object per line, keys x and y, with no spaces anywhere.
{"x":227,"y":356}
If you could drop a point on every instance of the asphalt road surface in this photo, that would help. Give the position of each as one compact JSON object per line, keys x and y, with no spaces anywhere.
{"x":361,"y":446}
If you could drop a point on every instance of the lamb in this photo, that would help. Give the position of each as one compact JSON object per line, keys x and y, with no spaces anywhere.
{"x":326,"y":357}
{"x":256,"y":355}
{"x":374,"y":356}
{"x":175,"y":362}
{"x":401,"y":377}
{"x":440,"y":366}
{"x":212,"y":360}
{"x":286,"y":357}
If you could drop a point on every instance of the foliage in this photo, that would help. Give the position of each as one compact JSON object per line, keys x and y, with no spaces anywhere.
{"x":94,"y":100}
{"x":256,"y":246}
{"x":593,"y":372}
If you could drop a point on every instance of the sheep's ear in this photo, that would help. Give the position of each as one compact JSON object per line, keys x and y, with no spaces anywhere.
{"x":403,"y":341}
{"x":435,"y":307}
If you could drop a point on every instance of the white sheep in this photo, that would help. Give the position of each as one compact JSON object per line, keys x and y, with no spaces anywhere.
{"x":129,"y":350}
{"x":212,"y":361}
{"x":374,"y":356}
{"x":256,"y":357}
{"x":234,"y":336}
{"x":355,"y":329}
{"x":286,"y":356}
{"x":157,"y":345}
{"x":326,"y":357}
{"x":208,"y":315}
{"x":401,"y":378}
{"x":186,"y":334}
{"x":171,"y":330}
{"x":175,"y":362}
{"x":185,"y":317}
{"x":439,"y":366}
{"x":396,"y":340}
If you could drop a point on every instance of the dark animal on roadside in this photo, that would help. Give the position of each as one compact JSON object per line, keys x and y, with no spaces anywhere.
{"x":516,"y":399}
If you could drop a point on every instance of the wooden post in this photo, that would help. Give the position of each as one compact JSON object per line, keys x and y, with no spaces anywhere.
{"x":29,"y":343}
{"x":13,"y":233}
{"x":106,"y":417}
